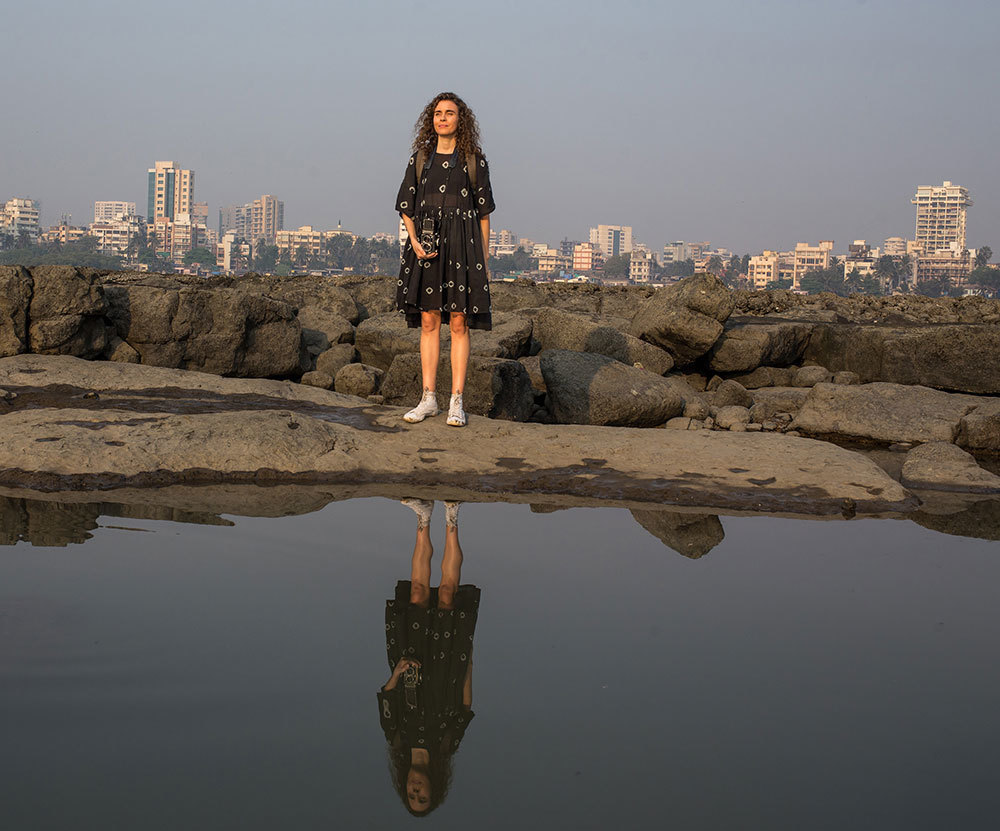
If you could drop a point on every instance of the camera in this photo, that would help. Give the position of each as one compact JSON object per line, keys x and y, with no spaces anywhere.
{"x":429,"y":236}
{"x":411,"y":676}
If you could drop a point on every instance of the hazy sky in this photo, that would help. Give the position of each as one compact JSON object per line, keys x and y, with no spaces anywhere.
{"x":750,"y":124}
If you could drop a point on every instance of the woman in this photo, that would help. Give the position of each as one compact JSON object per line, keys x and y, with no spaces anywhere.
{"x":426,"y":705}
{"x":445,"y":201}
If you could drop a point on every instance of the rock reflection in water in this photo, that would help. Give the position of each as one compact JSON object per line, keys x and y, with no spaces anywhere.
{"x":426,"y":705}
{"x":66,"y":523}
{"x":691,"y":535}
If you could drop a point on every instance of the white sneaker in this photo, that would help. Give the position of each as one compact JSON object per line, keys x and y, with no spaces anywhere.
{"x":428,"y":406}
{"x":456,"y":415}
{"x":451,"y":514}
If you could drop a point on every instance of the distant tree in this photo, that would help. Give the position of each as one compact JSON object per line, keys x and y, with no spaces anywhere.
{"x":825,"y":279}
{"x":679,"y":268}
{"x":266,"y":258}
{"x":715,"y":265}
{"x":81,"y":252}
{"x":783,"y":283}
{"x":986,"y":277}
{"x":983,"y":256}
{"x":934,"y":288}
{"x":519,"y":261}
{"x":200,"y":255}
{"x":745,"y":264}
{"x":617,"y":265}
{"x":886,"y":269}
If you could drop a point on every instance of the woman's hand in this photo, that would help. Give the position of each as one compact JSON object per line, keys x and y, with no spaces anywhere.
{"x":418,"y":249}
{"x":401,"y":666}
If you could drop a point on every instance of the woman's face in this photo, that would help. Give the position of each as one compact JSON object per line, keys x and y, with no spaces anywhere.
{"x":418,"y":790}
{"x":446,"y":118}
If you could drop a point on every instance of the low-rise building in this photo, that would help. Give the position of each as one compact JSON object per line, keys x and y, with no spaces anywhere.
{"x":953,"y":265}
{"x":62,"y":233}
{"x":587,"y":256}
{"x":810,"y":258}
{"x":19,"y":219}
{"x":109,"y":211}
{"x":640,"y":267}
{"x":764,"y":269}
{"x":308,"y":240}
{"x":117,"y":236}
{"x":861,"y":257}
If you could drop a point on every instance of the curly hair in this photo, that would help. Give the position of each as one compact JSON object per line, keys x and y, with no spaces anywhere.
{"x":467,"y":137}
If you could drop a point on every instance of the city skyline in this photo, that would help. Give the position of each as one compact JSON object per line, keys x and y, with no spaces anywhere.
{"x":757,"y":125}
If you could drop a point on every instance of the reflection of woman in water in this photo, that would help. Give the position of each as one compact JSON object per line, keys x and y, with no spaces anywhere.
{"x":426,"y":704}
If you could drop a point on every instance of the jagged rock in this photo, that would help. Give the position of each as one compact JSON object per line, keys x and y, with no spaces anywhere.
{"x":337,"y":356}
{"x":556,"y":329}
{"x":494,"y":387}
{"x":15,"y":296}
{"x":120,"y":351}
{"x":744,"y":347}
{"x":359,"y":379}
{"x":732,"y":393}
{"x":222,"y":331}
{"x":322,"y":329}
{"x":533,"y":365}
{"x":810,"y":376}
{"x":767,"y":376}
{"x":685,"y":319}
{"x":317,"y":379}
{"x":684,"y":423}
{"x":846,"y":377}
{"x":696,"y":381}
{"x":310,"y":292}
{"x":942,"y":466}
{"x":883,"y":413}
{"x":980,"y":428}
{"x":67,"y":313}
{"x":770,"y":401}
{"x":691,"y":535}
{"x":380,"y":339}
{"x":695,"y":407}
{"x":946,"y":357}
{"x":587,"y":388}
{"x":713,"y":383}
{"x":728,"y":418}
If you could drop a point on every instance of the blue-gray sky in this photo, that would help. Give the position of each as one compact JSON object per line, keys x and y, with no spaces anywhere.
{"x":753,"y":124}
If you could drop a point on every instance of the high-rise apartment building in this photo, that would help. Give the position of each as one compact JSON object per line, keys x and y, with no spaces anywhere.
{"x":170,"y":191}
{"x":20,"y":216}
{"x":110,"y":211}
{"x":941,"y":212}
{"x":612,"y":240}
{"x":255,"y":221}
{"x":810,"y":258}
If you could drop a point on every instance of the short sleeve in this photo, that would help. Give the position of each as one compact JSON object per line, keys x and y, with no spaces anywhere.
{"x":484,"y":191}
{"x":388,"y":713}
{"x":407,"y":197}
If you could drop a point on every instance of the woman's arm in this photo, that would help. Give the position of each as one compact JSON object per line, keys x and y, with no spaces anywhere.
{"x":467,"y":687}
{"x":401,"y":666}
{"x":484,"y":225}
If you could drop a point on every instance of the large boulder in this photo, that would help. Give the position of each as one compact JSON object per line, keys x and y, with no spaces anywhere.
{"x":883,"y":413}
{"x":67,"y":313}
{"x":380,"y":339}
{"x":556,"y":329}
{"x":745,"y":347}
{"x":222,"y":331}
{"x":15,"y":297}
{"x":315,"y":293}
{"x":322,"y":328}
{"x":770,"y":401}
{"x":335,"y":357}
{"x":980,"y":428}
{"x":685,"y":319}
{"x":494,"y":387}
{"x":951,"y":357}
{"x":587,"y":388}
{"x":942,"y":466}
{"x":690,"y":535}
{"x":358,"y":379}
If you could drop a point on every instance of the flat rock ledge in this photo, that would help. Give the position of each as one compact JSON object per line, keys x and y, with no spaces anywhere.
{"x":72,"y":425}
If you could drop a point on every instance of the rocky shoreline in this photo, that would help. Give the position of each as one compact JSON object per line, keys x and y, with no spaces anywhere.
{"x":692,"y":395}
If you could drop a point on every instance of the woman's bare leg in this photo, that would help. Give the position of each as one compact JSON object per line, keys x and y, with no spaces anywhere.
{"x":460,"y":347}
{"x":420,"y":568}
{"x":451,"y":563}
{"x":430,"y":347}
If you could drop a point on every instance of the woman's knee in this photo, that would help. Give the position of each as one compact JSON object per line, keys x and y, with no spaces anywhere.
{"x":458,"y":324}
{"x":430,"y":321}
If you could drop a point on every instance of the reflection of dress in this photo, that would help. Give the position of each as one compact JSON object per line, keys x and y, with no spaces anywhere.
{"x":442,"y":641}
{"x":456,"y":279}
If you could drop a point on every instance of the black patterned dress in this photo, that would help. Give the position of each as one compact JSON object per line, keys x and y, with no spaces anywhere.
{"x":456,"y":280}
{"x":442,"y":641}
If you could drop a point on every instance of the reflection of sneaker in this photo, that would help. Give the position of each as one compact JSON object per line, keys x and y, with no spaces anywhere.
{"x":428,"y":406}
{"x":451,"y":513}
{"x":456,"y":415}
{"x":422,"y":508}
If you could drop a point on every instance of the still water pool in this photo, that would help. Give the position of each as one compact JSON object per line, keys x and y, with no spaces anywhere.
{"x":801,"y":675}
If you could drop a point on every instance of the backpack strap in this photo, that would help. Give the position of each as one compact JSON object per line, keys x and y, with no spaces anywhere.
{"x":471,"y":168}
{"x":421,"y":162}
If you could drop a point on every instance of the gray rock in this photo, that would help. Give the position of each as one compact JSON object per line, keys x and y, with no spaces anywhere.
{"x":742,"y":348}
{"x":810,"y":376}
{"x":942,"y":466}
{"x":586,"y":388}
{"x":67,"y":313}
{"x":980,"y":428}
{"x":380,"y":339}
{"x":695,"y":407}
{"x":767,"y":376}
{"x":770,"y":401}
{"x":683,"y":423}
{"x":359,"y":379}
{"x":713,"y":383}
{"x":314,"y":293}
{"x":696,"y":381}
{"x":533,"y":365}
{"x":120,"y":351}
{"x":15,"y":296}
{"x":846,"y":377}
{"x":690,"y":535}
{"x":730,"y":416}
{"x":322,"y":329}
{"x":732,"y":393}
{"x":494,"y":387}
{"x":337,"y":356}
{"x":556,"y":329}
{"x":222,"y":331}
{"x":685,"y":319}
{"x":883,"y":412}
{"x":317,"y":379}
